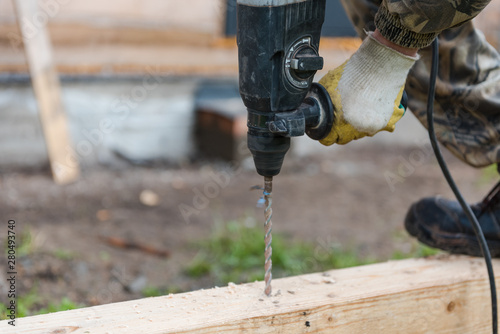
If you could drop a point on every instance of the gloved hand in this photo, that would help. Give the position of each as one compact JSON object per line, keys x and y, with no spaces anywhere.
{"x":366,"y":92}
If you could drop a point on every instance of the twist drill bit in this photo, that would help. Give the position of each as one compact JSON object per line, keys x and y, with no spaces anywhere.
{"x":268,"y":188}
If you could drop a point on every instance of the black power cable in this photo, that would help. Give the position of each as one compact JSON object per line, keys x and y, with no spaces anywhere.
{"x":467,"y":210}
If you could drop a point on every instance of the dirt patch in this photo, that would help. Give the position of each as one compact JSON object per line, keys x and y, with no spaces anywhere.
{"x":343,"y":197}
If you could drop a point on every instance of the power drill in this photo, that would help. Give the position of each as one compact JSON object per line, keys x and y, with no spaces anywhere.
{"x":278,"y":42}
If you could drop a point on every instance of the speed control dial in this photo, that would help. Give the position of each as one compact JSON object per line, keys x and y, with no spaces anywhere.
{"x":301,"y":63}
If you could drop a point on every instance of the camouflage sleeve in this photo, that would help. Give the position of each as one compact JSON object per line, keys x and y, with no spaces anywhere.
{"x":415,"y":24}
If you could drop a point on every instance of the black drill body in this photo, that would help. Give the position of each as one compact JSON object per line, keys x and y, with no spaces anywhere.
{"x":278,"y":42}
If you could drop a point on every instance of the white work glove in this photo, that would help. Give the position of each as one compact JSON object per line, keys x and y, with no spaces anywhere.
{"x":366,"y":91}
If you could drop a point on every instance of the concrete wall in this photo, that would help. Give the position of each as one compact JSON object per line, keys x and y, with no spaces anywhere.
{"x":150,"y":122}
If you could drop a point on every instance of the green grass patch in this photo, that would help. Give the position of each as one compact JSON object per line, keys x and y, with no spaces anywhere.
{"x":24,"y":243}
{"x":64,"y":254}
{"x":152,"y":291}
{"x":32,"y":304}
{"x":234,"y":252}
{"x":65,"y":304}
{"x":104,"y":256}
{"x":417,"y":250}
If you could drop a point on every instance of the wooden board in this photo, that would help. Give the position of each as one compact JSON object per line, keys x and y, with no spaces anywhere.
{"x":440,"y":295}
{"x":63,"y":162}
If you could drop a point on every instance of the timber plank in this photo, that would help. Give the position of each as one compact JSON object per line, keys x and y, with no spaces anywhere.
{"x":436,"y":295}
{"x":64,"y":166}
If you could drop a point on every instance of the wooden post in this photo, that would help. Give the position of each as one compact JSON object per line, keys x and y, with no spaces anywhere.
{"x":63,"y":162}
{"x":448,"y":294}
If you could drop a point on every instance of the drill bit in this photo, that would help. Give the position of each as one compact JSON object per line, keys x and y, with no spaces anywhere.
{"x":268,"y":188}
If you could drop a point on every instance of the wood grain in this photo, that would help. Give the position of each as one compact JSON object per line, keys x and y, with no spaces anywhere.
{"x":37,"y":47}
{"x":439,"y":295}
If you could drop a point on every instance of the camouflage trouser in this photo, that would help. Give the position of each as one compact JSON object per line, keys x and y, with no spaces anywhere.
{"x":467,"y":107}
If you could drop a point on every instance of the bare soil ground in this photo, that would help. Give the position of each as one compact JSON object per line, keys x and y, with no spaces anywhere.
{"x":342,"y":196}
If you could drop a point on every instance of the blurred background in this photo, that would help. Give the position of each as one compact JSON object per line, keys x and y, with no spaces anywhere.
{"x":163,"y":202}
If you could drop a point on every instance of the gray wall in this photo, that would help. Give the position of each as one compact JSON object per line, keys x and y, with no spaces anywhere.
{"x":151,"y":122}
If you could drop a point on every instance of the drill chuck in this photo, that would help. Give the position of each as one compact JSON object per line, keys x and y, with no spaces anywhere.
{"x":268,"y":148}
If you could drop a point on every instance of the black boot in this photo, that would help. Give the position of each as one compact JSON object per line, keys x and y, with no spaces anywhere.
{"x":441,"y":223}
